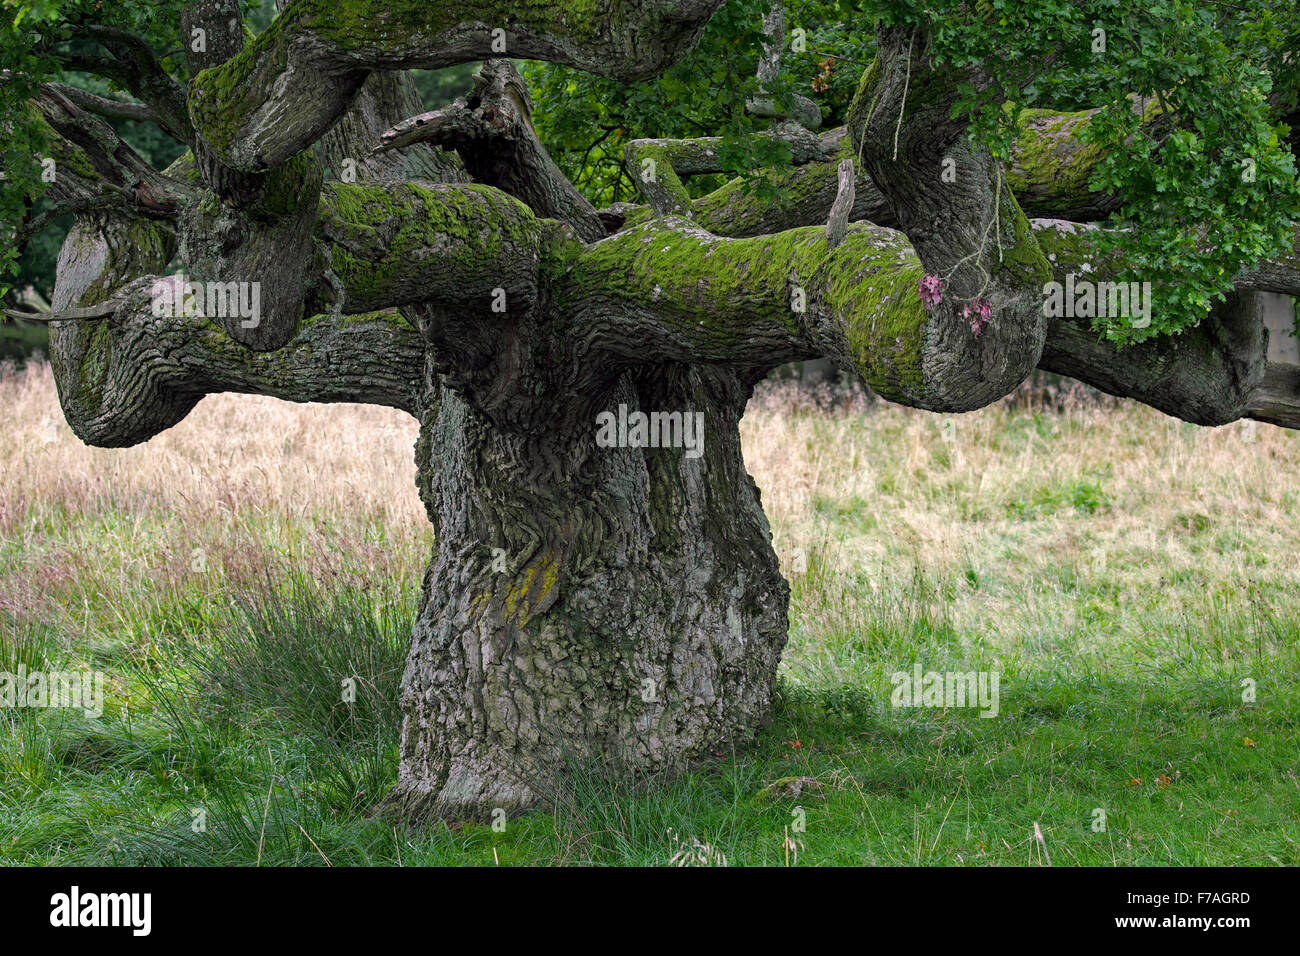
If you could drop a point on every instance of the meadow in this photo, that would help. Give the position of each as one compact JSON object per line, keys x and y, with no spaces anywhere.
{"x":1134,"y":581}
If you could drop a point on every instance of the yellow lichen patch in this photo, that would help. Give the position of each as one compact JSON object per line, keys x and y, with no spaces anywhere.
{"x":533,"y":586}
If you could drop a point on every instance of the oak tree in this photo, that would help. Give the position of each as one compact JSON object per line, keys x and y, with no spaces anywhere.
{"x":1097,"y":188}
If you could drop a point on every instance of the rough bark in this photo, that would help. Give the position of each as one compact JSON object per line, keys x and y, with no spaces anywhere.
{"x":124,"y":379}
{"x":283,"y":92}
{"x":1208,"y":375}
{"x":1276,"y":397}
{"x":837,"y":223}
{"x":967,"y":230}
{"x":92,"y":161}
{"x":616,"y":566}
{"x":492,"y":131}
{"x":212,"y":32}
{"x":382,"y":98}
{"x":1212,"y":374}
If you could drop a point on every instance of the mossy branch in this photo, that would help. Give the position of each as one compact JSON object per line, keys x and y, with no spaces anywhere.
{"x":287,"y":87}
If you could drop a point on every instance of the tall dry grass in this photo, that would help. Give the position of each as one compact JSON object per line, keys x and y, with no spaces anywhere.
{"x":1052,"y":523}
{"x":243,"y":486}
{"x":1124,"y":573}
{"x":1021,"y":519}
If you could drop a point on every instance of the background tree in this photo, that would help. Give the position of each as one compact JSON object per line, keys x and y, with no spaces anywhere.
{"x":625,"y":602}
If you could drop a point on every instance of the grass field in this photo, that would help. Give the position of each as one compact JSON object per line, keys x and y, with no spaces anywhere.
{"x":1132,"y":579}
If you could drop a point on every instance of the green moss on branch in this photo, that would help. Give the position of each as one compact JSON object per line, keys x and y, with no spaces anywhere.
{"x":401,"y":243}
{"x":739,"y":300}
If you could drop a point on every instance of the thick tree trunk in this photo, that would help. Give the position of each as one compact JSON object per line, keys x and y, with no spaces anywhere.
{"x":634,"y":612}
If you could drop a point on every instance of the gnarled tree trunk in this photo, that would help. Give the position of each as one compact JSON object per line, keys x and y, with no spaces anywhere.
{"x":616,"y":604}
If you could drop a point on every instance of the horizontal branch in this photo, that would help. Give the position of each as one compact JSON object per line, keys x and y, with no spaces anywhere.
{"x":1207,"y":374}
{"x":102,"y":105}
{"x":809,"y":190}
{"x":464,"y":248}
{"x":106,"y":197}
{"x":100,"y":311}
{"x":666,"y":290}
{"x":1276,"y":397}
{"x":149,"y":372}
{"x":1049,"y":174}
{"x":125,"y":376}
{"x":1278,"y":274}
{"x":289,"y":85}
{"x":658,"y":164}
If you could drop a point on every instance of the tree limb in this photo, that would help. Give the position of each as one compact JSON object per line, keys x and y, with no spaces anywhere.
{"x":100,"y":311}
{"x":493,"y":133}
{"x":401,"y":244}
{"x":134,"y":66}
{"x":1049,"y":174}
{"x":658,"y":164}
{"x":1215,"y":373}
{"x":103,"y":106}
{"x":386,"y":99}
{"x":985,"y":328}
{"x":666,"y":290}
{"x":291,"y":84}
{"x":1276,"y":396}
{"x":838,"y":221}
{"x":90,"y":157}
{"x":131,"y":374}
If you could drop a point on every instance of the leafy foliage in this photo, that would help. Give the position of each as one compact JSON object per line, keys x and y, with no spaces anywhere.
{"x":586,"y":120}
{"x":1190,"y":137}
{"x":20,"y":175}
